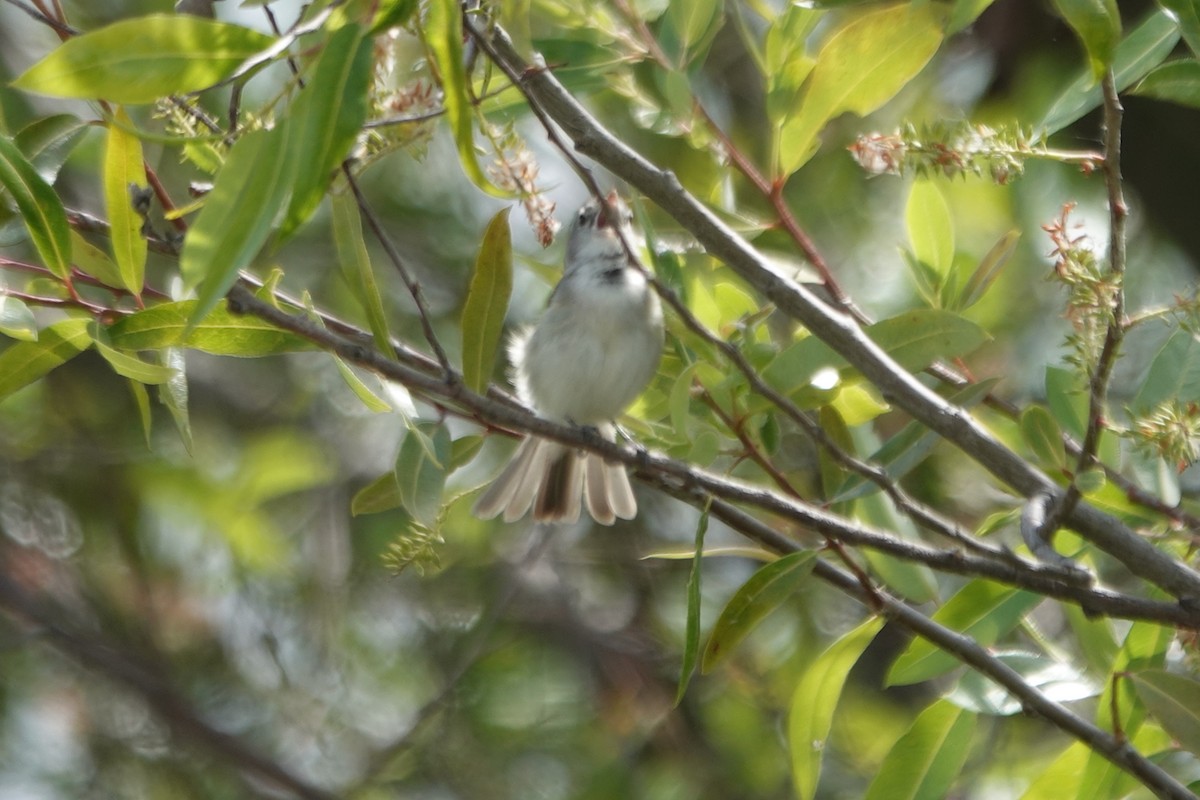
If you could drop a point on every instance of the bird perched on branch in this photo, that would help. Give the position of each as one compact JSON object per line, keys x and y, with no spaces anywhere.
{"x":592,"y":352}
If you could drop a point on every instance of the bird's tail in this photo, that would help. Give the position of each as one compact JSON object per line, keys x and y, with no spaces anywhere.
{"x":556,"y":481}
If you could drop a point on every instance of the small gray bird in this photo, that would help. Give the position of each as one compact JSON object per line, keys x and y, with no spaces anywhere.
{"x":593,"y":351}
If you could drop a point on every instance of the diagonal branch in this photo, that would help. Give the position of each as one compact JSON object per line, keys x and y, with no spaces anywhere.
{"x":837,"y":330}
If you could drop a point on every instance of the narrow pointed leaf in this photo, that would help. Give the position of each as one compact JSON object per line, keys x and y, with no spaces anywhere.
{"x":140,"y":60}
{"x":238,"y":215}
{"x":133,"y":367}
{"x":356,"y":263}
{"x":25,"y":362}
{"x":1044,"y":437}
{"x":988,"y":270}
{"x":691,"y":647}
{"x":327,"y":117}
{"x":983,"y":610}
{"x":815,"y":699}
{"x":1174,"y":700}
{"x":444,"y":35}
{"x":91,"y":260}
{"x":1187,"y":12}
{"x":381,"y":494}
{"x":141,"y":399}
{"x":174,"y":394}
{"x":487,"y":303}
{"x":372,"y":401}
{"x":40,"y":208}
{"x":925,"y":761}
{"x":124,"y":171}
{"x":1141,"y":51}
{"x":767,"y":588}
{"x":862,"y":66}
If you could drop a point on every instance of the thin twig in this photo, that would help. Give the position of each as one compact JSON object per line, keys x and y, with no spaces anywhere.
{"x":414,"y":288}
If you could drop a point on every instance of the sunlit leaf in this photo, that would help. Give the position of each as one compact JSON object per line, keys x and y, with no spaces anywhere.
{"x":356,"y":264}
{"x":444,"y":35}
{"x":326,"y":119}
{"x":917,"y":338}
{"x":964,"y":12}
{"x":814,"y":700}
{"x":928,"y":758}
{"x":787,"y":62}
{"x":140,"y":60}
{"x":220,"y":333}
{"x":1174,"y":373}
{"x":174,"y":393}
{"x":1139,"y":52}
{"x":40,"y":208}
{"x":765,"y":591}
{"x":238,"y":215}
{"x":124,"y":172}
{"x":1176,"y":82}
{"x":369,"y":399}
{"x":133,"y":367}
{"x":141,"y":399}
{"x":1098,"y":25}
{"x":691,"y":647}
{"x":930,"y":227}
{"x":983,"y":610}
{"x":1174,"y":700}
{"x":861,"y":66}
{"x":24,"y":362}
{"x":487,"y":303}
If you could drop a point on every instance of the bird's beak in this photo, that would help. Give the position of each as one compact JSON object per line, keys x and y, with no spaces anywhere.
{"x":611,"y":201}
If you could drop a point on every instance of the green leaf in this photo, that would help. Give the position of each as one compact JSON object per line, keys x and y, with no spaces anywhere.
{"x":17,"y":320}
{"x":988,"y":270}
{"x":930,"y":228}
{"x":372,"y":401}
{"x":912,"y":580}
{"x":91,"y":260}
{"x":25,"y":362}
{"x":326,"y":119}
{"x":915,"y":339}
{"x":691,"y":647}
{"x":927,"y":758}
{"x":766,"y":590}
{"x":130,"y":366}
{"x":905,"y":450}
{"x":1187,"y":12}
{"x":983,"y":610}
{"x":356,"y":263}
{"x":220,"y":333}
{"x":1174,"y":374}
{"x":140,"y":60}
{"x":1043,"y":437}
{"x":47,"y":142}
{"x":1067,"y":398}
{"x":1098,"y":25}
{"x":1061,"y":778}
{"x":487,"y":303}
{"x":124,"y":171}
{"x":1174,"y":700}
{"x":381,"y":494}
{"x":444,"y":36}
{"x":862,"y":66}
{"x":40,"y":208}
{"x":238,"y":215}
{"x":141,"y":399}
{"x":1141,"y":51}
{"x":174,"y":393}
{"x":965,"y":12}
{"x":787,"y":63}
{"x":1175,"y":82}
{"x":814,"y":701}
{"x":421,"y":470}
{"x":690,"y":27}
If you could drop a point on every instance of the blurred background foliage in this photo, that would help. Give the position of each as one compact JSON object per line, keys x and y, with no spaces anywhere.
{"x":515,"y":662}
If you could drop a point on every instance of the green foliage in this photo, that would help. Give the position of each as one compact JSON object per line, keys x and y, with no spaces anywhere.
{"x":487,"y":303}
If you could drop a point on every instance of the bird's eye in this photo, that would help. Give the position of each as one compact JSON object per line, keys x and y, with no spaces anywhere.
{"x":583,"y":216}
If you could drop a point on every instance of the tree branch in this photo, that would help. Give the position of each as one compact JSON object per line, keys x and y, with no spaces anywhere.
{"x":837,"y":330}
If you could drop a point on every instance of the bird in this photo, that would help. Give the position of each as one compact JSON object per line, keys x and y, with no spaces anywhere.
{"x":592,"y":352}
